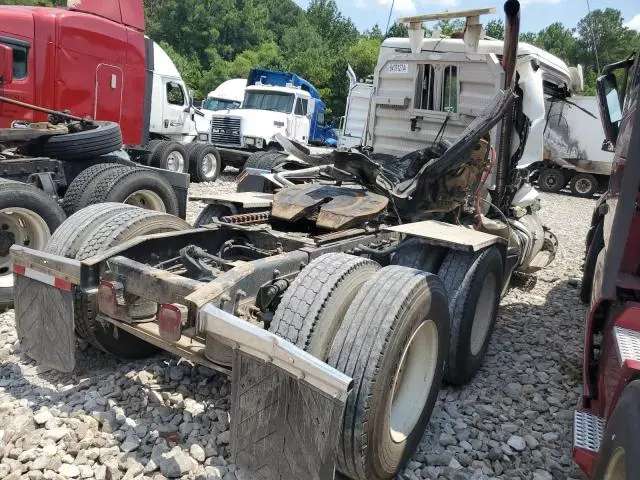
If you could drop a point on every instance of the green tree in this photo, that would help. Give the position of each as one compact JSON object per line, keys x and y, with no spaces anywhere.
{"x":363,"y":56}
{"x":529,"y":37}
{"x":398,"y":30}
{"x":495,"y":29}
{"x":559,"y":41}
{"x":449,"y":27}
{"x":603,"y":34}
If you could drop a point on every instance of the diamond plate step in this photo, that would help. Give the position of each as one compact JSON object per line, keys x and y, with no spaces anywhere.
{"x":587,"y":431}
{"x":628,"y":342}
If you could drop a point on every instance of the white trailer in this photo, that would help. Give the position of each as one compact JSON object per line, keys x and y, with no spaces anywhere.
{"x":574,"y":154}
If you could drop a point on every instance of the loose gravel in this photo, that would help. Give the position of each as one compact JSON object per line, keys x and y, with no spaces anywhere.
{"x":165,"y":418}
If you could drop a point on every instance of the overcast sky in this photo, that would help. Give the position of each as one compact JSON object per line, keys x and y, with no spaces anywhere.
{"x":536,"y":14}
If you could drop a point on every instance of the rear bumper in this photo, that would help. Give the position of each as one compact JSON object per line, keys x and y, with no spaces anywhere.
{"x":281,"y":395}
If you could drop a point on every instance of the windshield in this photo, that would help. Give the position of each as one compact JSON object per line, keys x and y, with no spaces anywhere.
{"x":215,"y":104}
{"x":272,"y":101}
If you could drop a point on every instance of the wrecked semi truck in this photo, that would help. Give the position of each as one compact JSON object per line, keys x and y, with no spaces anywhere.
{"x":94,"y":60}
{"x":451,"y":87}
{"x":606,"y":441}
{"x":336,"y":306}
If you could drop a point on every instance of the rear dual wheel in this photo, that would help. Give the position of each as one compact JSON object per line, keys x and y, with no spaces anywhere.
{"x":205,"y":162}
{"x":112,"y":182}
{"x":92,"y":231}
{"x":386,"y":328}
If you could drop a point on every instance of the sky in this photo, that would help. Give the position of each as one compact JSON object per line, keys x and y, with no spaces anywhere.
{"x":536,"y":14}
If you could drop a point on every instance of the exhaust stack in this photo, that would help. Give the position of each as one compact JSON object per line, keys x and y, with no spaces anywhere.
{"x":509,"y":58}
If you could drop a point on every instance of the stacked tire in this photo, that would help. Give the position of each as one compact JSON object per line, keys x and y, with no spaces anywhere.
{"x":28,"y":217}
{"x":92,"y":231}
{"x":112,"y":182}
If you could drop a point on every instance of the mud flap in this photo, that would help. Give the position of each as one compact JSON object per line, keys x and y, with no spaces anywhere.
{"x":45,"y":324}
{"x":282,"y":428}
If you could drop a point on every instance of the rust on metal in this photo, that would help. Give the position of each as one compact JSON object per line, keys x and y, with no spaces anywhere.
{"x":336,"y":207}
{"x":247,"y":218}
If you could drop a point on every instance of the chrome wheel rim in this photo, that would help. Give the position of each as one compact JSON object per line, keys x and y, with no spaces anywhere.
{"x":175,"y":162}
{"x":146,"y":199}
{"x":19,"y":226}
{"x":413,"y":381}
{"x":208,"y":165}
{"x":583,"y":186}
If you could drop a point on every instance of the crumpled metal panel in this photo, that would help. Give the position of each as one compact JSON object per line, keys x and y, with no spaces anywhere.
{"x":336,"y":207}
{"x":281,"y":428}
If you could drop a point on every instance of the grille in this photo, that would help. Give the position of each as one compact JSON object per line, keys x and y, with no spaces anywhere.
{"x":628,"y":344}
{"x":588,"y":430}
{"x":226,"y":131}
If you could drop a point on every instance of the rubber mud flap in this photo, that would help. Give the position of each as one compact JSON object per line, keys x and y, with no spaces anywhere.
{"x":45,"y":325}
{"x":282,"y":427}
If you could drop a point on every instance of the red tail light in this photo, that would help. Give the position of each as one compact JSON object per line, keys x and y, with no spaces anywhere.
{"x":170,"y":322}
{"x":108,"y":297}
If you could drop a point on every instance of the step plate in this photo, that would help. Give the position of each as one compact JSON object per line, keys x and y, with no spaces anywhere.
{"x":628,"y":342}
{"x":587,"y":431}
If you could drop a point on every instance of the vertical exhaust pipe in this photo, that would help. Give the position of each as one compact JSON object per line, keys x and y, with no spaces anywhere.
{"x":509,"y":57}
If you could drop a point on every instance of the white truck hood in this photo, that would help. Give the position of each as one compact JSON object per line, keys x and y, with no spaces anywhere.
{"x":258,"y":123}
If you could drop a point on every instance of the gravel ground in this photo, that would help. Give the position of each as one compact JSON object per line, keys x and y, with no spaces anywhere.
{"x":162,"y":418}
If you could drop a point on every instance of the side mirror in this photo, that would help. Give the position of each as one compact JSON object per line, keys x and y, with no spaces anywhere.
{"x":610,"y":106}
{"x":6,"y":64}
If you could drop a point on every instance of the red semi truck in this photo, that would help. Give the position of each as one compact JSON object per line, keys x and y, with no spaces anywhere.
{"x":94,"y":59}
{"x":607,"y":427}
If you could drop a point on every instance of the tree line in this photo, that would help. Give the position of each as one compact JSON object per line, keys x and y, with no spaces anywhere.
{"x":214,"y":40}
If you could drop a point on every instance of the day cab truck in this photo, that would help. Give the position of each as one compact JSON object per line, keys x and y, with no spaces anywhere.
{"x":274,"y":103}
{"x":94,"y":60}
{"x":337,"y":306}
{"x":607,"y":427}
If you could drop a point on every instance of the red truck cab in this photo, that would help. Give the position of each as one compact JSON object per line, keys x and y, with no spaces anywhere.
{"x":91,"y":58}
{"x":607,"y":428}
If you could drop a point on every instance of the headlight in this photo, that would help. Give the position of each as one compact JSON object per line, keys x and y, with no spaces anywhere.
{"x":203,"y":137}
{"x":249,"y":141}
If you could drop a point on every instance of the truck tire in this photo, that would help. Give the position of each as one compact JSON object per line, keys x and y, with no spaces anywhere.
{"x":112,"y":231}
{"x":315,"y":303}
{"x":170,"y":156}
{"x":584,"y":185}
{"x":209,"y":213}
{"x":619,"y":455}
{"x":68,"y":238}
{"x":106,"y":138}
{"x":254,"y":159}
{"x":272,"y":160}
{"x":551,"y":180}
{"x":393,"y":342}
{"x":414,"y":253}
{"x":474,"y":284}
{"x":79,"y":185}
{"x":28,"y":217}
{"x":596,"y":246}
{"x":205,"y":162}
{"x":134,"y":186}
